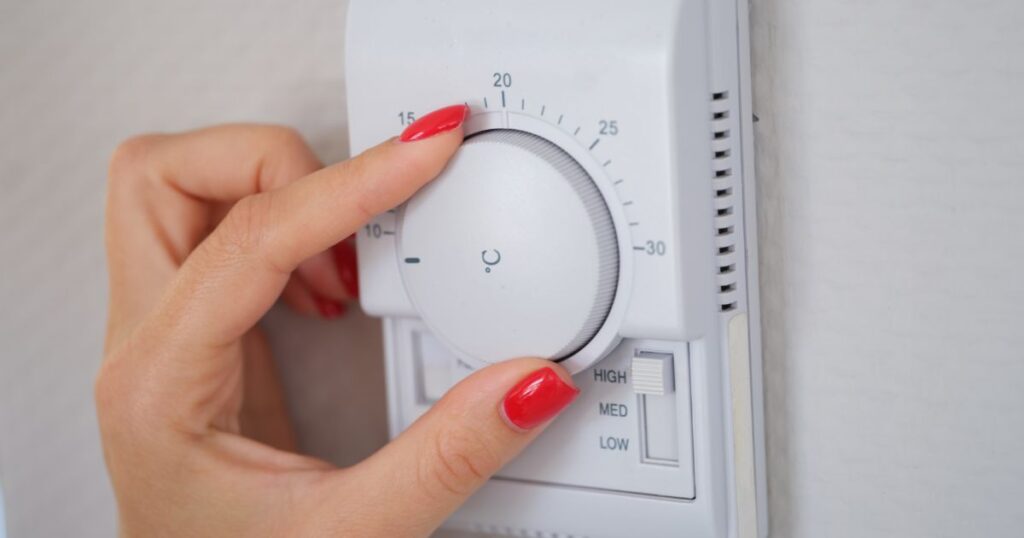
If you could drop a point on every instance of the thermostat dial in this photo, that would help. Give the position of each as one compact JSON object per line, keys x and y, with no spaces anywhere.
{"x":511,"y":251}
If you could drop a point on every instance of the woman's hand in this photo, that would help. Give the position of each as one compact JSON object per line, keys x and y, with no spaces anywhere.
{"x":205,"y":231}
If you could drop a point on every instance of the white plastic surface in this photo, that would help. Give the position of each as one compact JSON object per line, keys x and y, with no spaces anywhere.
{"x":601,"y":441}
{"x":434,"y":368}
{"x":879,"y":156}
{"x":570,"y":98}
{"x":659,"y":429}
{"x":652,"y":373}
{"x":630,"y":96}
{"x":510,"y":252}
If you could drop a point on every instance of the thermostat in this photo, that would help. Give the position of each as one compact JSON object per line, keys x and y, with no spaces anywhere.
{"x":600,"y":213}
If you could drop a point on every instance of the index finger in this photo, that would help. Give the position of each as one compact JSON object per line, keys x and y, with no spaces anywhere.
{"x":235,"y":275}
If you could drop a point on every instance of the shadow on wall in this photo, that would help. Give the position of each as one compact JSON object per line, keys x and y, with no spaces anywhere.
{"x":769,"y":80}
{"x":3,"y":521}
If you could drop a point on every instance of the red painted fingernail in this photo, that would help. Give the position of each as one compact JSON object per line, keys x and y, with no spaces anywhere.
{"x":328,"y":308}
{"x":345,"y":261}
{"x":438,"y":121}
{"x":537,"y":398}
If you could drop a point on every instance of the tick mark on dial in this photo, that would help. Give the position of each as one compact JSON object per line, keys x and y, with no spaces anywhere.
{"x":388,"y":232}
{"x":634,"y":224}
{"x":485,"y":103}
{"x":638,"y":248}
{"x":412,"y":260}
{"x":522,"y":104}
{"x":503,"y":105}
{"x":606,"y":163}
{"x":542,"y":109}
{"x":628,"y":202}
{"x":618,"y":181}
{"x":560,"y":118}
{"x":577,"y":131}
{"x":596,"y":140}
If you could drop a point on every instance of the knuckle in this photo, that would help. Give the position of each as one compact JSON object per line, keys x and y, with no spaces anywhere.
{"x":240,"y":232}
{"x":245,"y":231}
{"x":103,"y":389}
{"x":125,"y":407}
{"x":342,"y":175}
{"x":459,"y":460}
{"x":111,"y":390}
{"x":284,"y":136}
{"x":130,"y":156}
{"x":352,"y":180}
{"x":287,"y":157}
{"x":365,"y":209}
{"x":129,"y":178}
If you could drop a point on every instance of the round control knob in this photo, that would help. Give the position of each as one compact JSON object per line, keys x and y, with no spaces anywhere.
{"x":511,"y":251}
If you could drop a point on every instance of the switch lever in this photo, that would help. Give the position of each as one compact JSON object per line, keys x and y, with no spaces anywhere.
{"x":654,"y":384}
{"x":652,"y":373}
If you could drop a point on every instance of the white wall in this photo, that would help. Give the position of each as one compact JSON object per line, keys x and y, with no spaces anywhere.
{"x":890,"y":154}
{"x":891,"y":158}
{"x":75,"y":78}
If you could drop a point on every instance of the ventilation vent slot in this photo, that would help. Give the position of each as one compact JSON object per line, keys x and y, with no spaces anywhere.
{"x":724,"y":186}
{"x":496,"y":530}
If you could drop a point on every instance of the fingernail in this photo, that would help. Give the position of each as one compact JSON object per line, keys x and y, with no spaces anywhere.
{"x":438,"y":121}
{"x":537,"y":398}
{"x":345,"y":261}
{"x":328,"y":308}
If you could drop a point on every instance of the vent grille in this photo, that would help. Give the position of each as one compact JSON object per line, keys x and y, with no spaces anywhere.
{"x":497,"y":530}
{"x":724,"y":186}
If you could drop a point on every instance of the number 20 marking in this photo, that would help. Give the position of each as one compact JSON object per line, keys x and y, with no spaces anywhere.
{"x":502,"y":80}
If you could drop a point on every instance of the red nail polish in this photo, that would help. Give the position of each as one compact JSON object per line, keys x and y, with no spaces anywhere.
{"x":345,"y":262}
{"x":438,"y":121}
{"x":329,"y":309}
{"x":537,"y":398}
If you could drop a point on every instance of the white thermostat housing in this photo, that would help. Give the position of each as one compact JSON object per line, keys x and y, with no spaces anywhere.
{"x":601,"y":214}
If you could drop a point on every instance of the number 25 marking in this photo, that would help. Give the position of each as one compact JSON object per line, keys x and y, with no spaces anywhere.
{"x":608,"y":127}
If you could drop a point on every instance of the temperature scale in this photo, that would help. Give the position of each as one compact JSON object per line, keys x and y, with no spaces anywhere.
{"x":600,"y":213}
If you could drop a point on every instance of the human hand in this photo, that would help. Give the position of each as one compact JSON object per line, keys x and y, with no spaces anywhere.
{"x":205,"y":231}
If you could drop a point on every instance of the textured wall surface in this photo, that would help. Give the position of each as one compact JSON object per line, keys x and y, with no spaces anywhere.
{"x":75,"y":78}
{"x":891,"y":159}
{"x":890,"y":154}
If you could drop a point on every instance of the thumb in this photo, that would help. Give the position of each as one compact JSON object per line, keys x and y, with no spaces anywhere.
{"x":413,"y":484}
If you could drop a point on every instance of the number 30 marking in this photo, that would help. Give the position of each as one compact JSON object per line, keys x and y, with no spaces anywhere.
{"x":655,"y":248}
